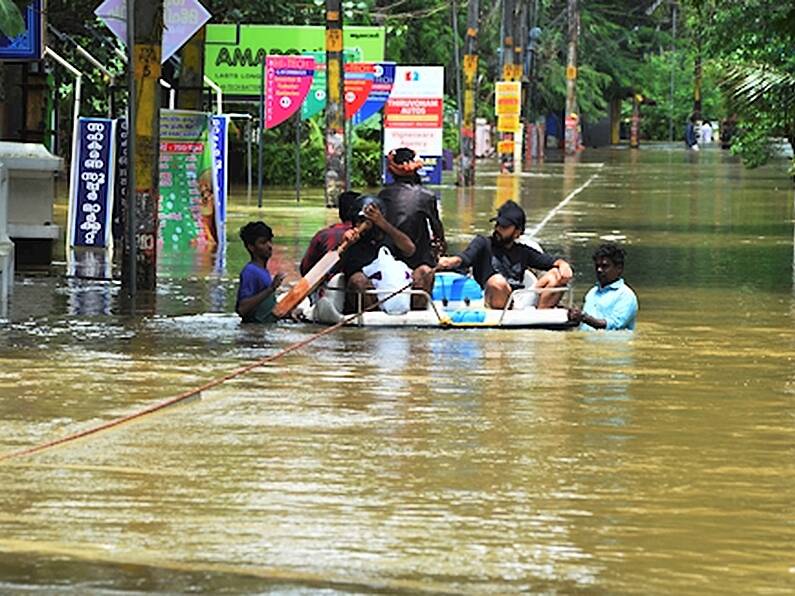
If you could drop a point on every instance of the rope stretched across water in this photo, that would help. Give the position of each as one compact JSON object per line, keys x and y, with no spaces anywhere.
{"x":194,"y":392}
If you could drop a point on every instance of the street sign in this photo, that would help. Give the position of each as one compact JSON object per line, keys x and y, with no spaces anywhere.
{"x":182,"y":19}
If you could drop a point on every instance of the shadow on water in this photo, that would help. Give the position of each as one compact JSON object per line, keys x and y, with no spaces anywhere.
{"x":418,"y":461}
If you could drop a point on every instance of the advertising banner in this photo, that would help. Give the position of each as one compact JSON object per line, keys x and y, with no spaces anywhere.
{"x":182,"y":18}
{"x":234,"y":54}
{"x":287,"y":81}
{"x":359,"y":78}
{"x":316,"y":98}
{"x":30,"y":45}
{"x":91,"y":183}
{"x":219,"y":136}
{"x":120,"y":187}
{"x":382,"y":86}
{"x":188,"y":203}
{"x":413,"y":115}
{"x":507,"y":98}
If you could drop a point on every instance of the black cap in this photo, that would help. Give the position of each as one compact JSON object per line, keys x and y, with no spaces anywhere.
{"x":510,"y":214}
{"x":362,"y":202}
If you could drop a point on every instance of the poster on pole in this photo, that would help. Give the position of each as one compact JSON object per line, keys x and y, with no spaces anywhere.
{"x":188,"y":202}
{"x":384,"y":73}
{"x":315,"y":100}
{"x":359,"y":79}
{"x":91,"y":183}
{"x":287,"y":82}
{"x":413,"y":115}
{"x":234,"y":54}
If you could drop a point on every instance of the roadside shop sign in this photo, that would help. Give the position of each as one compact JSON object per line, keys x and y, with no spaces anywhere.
{"x":91,"y":183}
{"x":359,"y":79}
{"x":287,"y":82}
{"x":182,"y":18}
{"x":30,"y":44}
{"x":384,"y":73}
{"x":507,"y":98}
{"x":234,"y":54}
{"x":413,"y":114}
{"x":219,"y":133}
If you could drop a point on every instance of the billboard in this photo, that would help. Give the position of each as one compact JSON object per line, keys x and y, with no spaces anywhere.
{"x":29,"y":45}
{"x":234,"y":54}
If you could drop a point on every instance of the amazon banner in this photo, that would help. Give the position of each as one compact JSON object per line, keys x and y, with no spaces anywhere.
{"x":234,"y":54}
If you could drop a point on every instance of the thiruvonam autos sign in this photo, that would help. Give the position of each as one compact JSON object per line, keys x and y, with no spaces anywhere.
{"x":234,"y":55}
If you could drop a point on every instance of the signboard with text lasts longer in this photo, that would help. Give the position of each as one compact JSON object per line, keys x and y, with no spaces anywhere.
{"x":413,"y":116}
{"x":234,"y":54}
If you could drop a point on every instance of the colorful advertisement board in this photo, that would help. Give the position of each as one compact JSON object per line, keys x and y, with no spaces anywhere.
{"x":413,"y":115}
{"x":29,"y":45}
{"x":359,"y":79}
{"x":316,"y":98}
{"x":91,"y":183}
{"x":384,"y":73}
{"x":287,"y":82}
{"x":234,"y":54}
{"x":219,"y":133}
{"x":189,"y":212}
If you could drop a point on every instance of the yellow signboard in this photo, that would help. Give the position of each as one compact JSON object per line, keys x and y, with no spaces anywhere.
{"x":505,"y":147}
{"x":508,"y":123}
{"x":571,"y":72}
{"x":507,"y":97}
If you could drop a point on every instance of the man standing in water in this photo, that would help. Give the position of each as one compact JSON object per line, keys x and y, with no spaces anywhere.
{"x":610,"y":304}
{"x":411,"y":208}
{"x":256,"y":295}
{"x":498,"y":263}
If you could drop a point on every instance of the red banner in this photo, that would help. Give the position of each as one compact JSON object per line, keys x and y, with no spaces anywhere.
{"x":359,"y":79}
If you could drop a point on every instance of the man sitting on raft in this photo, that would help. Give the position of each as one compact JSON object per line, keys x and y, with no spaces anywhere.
{"x":499,"y":262}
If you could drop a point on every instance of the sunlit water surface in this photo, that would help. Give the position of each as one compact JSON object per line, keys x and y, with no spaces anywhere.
{"x":427,"y":461}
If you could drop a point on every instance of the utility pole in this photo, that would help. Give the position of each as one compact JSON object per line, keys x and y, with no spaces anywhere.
{"x":467,"y":169}
{"x":673,"y":70}
{"x":191,"y":75}
{"x":335,"y":107}
{"x":572,"y":117}
{"x":505,"y":146}
{"x":458,"y":96}
{"x":532,"y":136}
{"x":144,"y":33}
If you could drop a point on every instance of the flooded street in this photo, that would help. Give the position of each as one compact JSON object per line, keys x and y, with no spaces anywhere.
{"x":424,"y":461}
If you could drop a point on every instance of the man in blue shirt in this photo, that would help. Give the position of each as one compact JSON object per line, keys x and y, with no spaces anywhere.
{"x":610,"y":304}
{"x":256,"y":295}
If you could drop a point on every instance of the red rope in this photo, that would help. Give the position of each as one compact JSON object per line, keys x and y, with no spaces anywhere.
{"x":191,"y":393}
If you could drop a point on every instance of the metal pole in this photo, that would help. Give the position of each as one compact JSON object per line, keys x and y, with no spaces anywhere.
{"x":261,"y":136}
{"x":130,"y":244}
{"x":467,"y":168}
{"x":249,"y":135}
{"x":673,"y":65}
{"x":459,"y":102}
{"x":298,"y":156}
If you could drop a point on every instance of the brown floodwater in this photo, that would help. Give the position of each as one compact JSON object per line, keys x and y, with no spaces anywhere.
{"x":424,"y":461}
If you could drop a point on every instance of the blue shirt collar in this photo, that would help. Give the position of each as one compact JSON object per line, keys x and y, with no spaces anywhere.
{"x":616,"y":285}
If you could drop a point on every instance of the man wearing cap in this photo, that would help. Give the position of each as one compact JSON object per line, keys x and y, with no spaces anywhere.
{"x":499,"y":262}
{"x":411,"y":208}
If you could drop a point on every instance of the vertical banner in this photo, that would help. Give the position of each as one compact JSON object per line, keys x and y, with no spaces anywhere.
{"x":219,"y":136}
{"x":188,"y":210}
{"x":413,"y":115}
{"x":287,"y":82}
{"x":384,"y":79}
{"x":120,"y":188}
{"x":91,"y":183}
{"x":359,"y":79}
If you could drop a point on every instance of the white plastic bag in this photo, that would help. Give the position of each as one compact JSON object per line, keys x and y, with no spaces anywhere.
{"x":394,"y":276}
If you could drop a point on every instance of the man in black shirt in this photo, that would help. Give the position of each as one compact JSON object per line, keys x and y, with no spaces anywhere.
{"x":411,"y":208}
{"x":499,"y":262}
{"x":365,"y":249}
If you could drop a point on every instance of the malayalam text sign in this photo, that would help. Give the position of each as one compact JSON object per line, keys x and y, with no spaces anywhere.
{"x":234,"y":55}
{"x":182,"y":19}
{"x":91,"y":188}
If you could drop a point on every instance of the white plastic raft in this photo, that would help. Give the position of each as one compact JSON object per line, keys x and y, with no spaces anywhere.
{"x":457,"y":302}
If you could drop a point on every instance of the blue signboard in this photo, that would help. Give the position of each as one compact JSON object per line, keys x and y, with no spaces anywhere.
{"x":382,"y":87}
{"x":28,"y":46}
{"x":218,"y":135}
{"x":91,"y":186}
{"x":430,"y":172}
